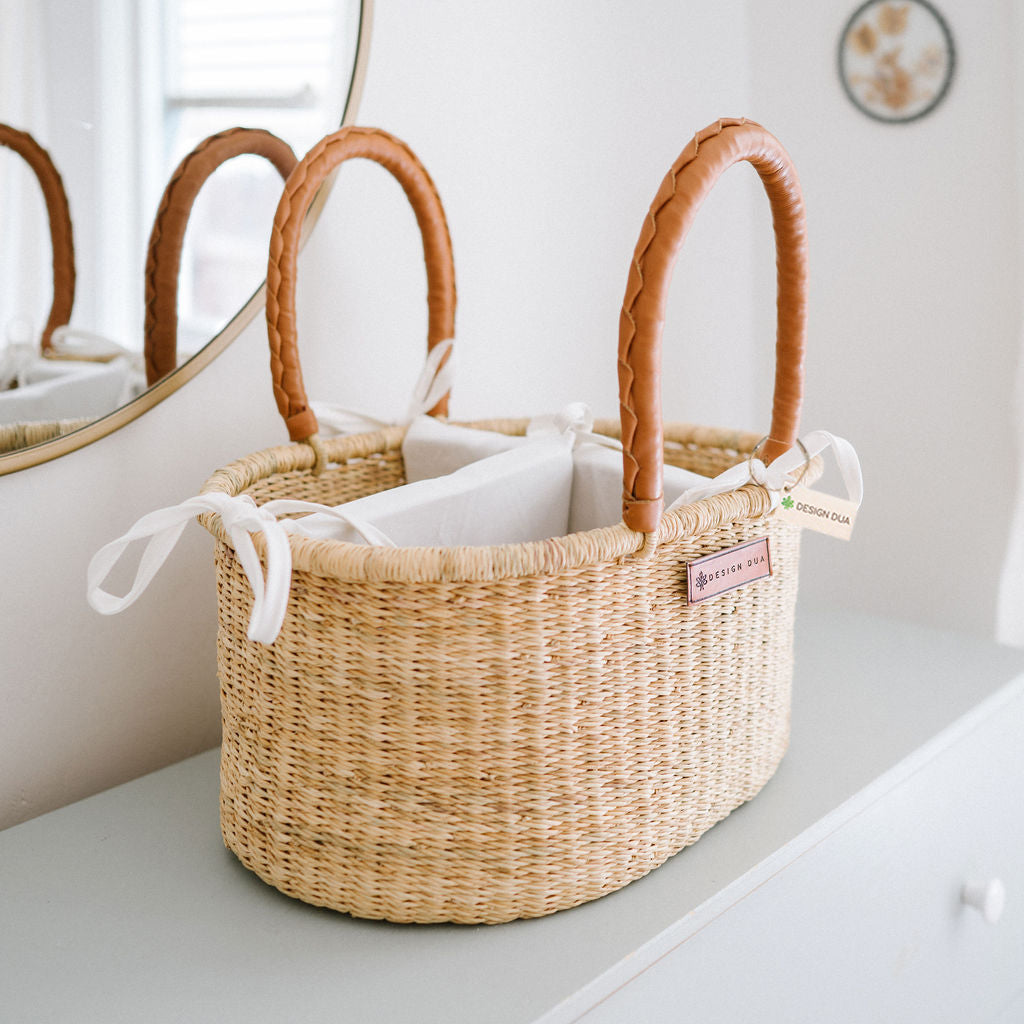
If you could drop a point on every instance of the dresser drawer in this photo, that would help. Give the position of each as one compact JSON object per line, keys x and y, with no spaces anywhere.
{"x":869,"y":923}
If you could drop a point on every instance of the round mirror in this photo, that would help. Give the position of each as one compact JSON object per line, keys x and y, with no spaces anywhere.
{"x":117,"y":94}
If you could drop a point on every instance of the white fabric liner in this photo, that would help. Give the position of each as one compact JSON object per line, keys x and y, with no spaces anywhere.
{"x":432,"y":449}
{"x":465,"y":487}
{"x":525,"y":492}
{"x":469,"y":487}
{"x":517,"y":495}
{"x":35,"y":388}
{"x":62,"y":390}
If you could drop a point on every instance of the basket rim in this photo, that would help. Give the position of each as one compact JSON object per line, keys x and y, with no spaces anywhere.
{"x":340,"y":559}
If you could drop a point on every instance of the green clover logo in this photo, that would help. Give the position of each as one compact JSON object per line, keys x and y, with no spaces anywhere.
{"x":787,"y":502}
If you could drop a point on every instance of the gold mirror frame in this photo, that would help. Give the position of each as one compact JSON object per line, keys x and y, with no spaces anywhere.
{"x":47,"y":450}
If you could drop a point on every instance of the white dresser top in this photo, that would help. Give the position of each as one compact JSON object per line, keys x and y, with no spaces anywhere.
{"x":127,"y":907}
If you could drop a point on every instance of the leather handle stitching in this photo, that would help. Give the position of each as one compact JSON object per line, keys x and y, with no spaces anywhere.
{"x":168,"y":232}
{"x":286,"y":370}
{"x":61,"y":233}
{"x":779,"y":180}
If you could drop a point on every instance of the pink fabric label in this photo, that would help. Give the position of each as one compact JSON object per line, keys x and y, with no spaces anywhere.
{"x":726,"y":570}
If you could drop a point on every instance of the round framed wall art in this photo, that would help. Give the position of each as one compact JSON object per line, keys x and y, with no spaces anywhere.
{"x":896,"y":59}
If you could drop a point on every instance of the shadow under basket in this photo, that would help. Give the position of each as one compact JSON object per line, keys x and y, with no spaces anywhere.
{"x":481,"y":734}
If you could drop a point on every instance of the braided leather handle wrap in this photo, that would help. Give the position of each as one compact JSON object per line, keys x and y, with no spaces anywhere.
{"x":163,"y":257}
{"x":679,"y":198}
{"x":61,"y":239}
{"x":299,"y":190}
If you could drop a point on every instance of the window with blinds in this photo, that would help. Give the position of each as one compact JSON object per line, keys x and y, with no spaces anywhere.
{"x":255,"y":53}
{"x":261,"y":64}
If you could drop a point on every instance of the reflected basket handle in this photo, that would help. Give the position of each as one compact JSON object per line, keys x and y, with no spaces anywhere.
{"x":61,"y":238}
{"x":679,"y":198}
{"x":299,"y":191}
{"x":163,"y":257}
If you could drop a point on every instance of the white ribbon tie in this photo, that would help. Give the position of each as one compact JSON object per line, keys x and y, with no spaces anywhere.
{"x":241,"y":517}
{"x":575,"y":418}
{"x":434,"y":382}
{"x":784,"y":471}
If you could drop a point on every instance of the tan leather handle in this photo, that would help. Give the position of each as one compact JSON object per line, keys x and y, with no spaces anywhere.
{"x":61,"y":239}
{"x":299,"y":190}
{"x":643,"y":310}
{"x":163,"y":257}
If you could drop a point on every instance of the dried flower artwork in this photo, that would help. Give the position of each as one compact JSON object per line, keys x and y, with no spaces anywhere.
{"x":896,"y":59}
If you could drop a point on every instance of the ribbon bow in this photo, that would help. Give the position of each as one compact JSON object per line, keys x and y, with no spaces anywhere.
{"x":433,"y":383}
{"x":574,"y":418}
{"x":782,"y":472}
{"x":241,"y":517}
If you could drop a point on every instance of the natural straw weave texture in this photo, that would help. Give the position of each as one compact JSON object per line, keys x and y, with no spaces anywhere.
{"x":482,"y":734}
{"x":15,"y":436}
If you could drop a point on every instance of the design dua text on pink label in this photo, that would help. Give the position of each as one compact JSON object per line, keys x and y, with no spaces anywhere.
{"x":726,"y":570}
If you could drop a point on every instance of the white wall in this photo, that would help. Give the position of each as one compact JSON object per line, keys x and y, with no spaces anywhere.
{"x":546,"y":201}
{"x":90,"y":701}
{"x":1010,"y":624}
{"x":547,"y":169}
{"x":548,"y":163}
{"x":547,"y":155}
{"x":914,"y":316}
{"x":547,"y":128}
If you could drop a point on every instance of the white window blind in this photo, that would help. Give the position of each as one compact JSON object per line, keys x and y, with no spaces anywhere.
{"x":251,"y":52}
{"x":258,"y":64}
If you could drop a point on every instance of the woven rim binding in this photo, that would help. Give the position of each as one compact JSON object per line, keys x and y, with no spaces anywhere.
{"x":454,"y":564}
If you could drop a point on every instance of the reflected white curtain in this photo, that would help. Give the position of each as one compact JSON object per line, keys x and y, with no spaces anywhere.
{"x":1010,"y":618}
{"x":25,"y":266}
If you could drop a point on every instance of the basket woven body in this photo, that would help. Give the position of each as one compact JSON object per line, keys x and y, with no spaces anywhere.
{"x":482,"y":734}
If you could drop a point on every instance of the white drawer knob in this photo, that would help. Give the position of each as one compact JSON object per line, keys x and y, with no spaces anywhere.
{"x":989,"y":898}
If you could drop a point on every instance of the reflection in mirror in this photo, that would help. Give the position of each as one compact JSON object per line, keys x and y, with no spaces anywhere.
{"x":194,"y":68}
{"x":164,"y":254}
{"x":32,"y":374}
{"x":62,"y":243}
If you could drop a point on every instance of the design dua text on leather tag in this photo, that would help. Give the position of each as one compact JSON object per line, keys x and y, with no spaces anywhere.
{"x":824,"y":513}
{"x":726,"y":570}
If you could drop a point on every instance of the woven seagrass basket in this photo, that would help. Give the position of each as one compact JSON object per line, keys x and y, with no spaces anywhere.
{"x":482,"y":734}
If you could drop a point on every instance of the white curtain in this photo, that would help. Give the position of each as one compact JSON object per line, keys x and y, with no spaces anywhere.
{"x":25,"y":274}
